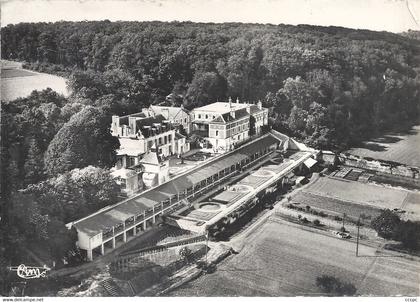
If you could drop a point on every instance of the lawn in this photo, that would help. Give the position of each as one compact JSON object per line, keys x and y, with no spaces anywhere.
{"x":335,"y":205}
{"x":402,"y":147}
{"x":357,"y":192}
{"x":281,"y":259}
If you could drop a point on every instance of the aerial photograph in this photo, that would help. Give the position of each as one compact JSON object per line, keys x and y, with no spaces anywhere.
{"x":210,"y":148}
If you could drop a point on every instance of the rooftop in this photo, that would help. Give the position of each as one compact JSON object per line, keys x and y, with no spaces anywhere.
{"x":170,"y":113}
{"x":103,"y":219}
{"x":129,"y":146}
{"x":227,"y":117}
{"x":221,"y":107}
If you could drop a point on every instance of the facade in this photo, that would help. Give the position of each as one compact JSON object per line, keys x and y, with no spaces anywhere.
{"x":155,"y":169}
{"x":144,"y":131}
{"x":139,"y":135}
{"x":226,"y":124}
{"x":129,"y":180}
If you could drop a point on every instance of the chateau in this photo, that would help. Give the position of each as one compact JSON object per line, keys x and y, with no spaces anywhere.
{"x":227,"y":124}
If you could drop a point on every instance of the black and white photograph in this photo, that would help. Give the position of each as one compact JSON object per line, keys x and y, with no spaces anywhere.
{"x":210,"y":148}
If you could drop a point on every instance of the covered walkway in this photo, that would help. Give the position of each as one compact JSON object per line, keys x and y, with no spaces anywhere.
{"x":133,"y":216}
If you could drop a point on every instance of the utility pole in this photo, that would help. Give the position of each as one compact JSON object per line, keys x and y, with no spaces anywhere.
{"x":344,"y":216}
{"x":207,"y":242}
{"x":361,"y":216}
{"x":357,"y":239}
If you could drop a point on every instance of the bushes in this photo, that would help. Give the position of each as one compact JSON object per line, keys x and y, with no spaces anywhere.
{"x":390,"y":226}
{"x":316,"y":222}
{"x":332,"y":285}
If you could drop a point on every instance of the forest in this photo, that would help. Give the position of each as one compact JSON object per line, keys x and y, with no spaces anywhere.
{"x":329,"y":87}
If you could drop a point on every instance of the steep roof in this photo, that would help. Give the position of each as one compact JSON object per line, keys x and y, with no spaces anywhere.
{"x":151,"y":158}
{"x":255,"y":109}
{"x":179,"y":135}
{"x":149,"y":121}
{"x":170,"y":113}
{"x":227,"y":117}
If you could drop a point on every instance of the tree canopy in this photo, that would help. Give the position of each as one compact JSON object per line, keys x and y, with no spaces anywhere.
{"x":84,"y":140}
{"x":329,"y":86}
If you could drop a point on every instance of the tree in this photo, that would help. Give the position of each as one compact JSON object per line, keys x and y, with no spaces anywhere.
{"x":34,"y":164}
{"x":385,"y":224}
{"x":331,"y":285}
{"x":82,"y":141}
{"x":185,"y":254}
{"x":408,"y":232}
{"x":206,"y":87}
{"x":76,"y":193}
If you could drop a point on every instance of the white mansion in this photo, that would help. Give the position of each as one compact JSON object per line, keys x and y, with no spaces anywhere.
{"x":226,"y":124}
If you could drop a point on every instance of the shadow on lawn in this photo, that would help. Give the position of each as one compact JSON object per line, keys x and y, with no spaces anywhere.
{"x":374,"y":147}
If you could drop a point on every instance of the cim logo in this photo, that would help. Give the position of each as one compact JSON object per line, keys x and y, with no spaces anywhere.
{"x":30,"y":272}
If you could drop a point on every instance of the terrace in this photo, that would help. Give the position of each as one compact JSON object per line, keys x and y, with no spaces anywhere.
{"x":241,"y":193}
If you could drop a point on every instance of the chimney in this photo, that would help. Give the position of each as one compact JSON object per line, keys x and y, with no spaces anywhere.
{"x":230,"y":102}
{"x":115,"y":125}
{"x":237,"y":100}
{"x":248,"y":108}
{"x":259,"y":104}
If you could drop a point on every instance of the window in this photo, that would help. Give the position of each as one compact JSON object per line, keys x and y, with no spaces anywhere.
{"x":199,"y":116}
{"x":185,"y":120}
{"x":207,"y":116}
{"x":160,"y":141}
{"x":217,"y":133}
{"x":166,"y":139}
{"x":169,"y":138}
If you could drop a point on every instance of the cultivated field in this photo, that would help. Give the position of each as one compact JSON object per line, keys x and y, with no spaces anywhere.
{"x":17,"y":83}
{"x":335,"y":205}
{"x":282,"y":259}
{"x":403,"y":148}
{"x":357,"y":192}
{"x":412,"y":206}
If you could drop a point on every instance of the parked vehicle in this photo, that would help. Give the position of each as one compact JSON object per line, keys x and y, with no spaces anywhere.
{"x":343,"y":235}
